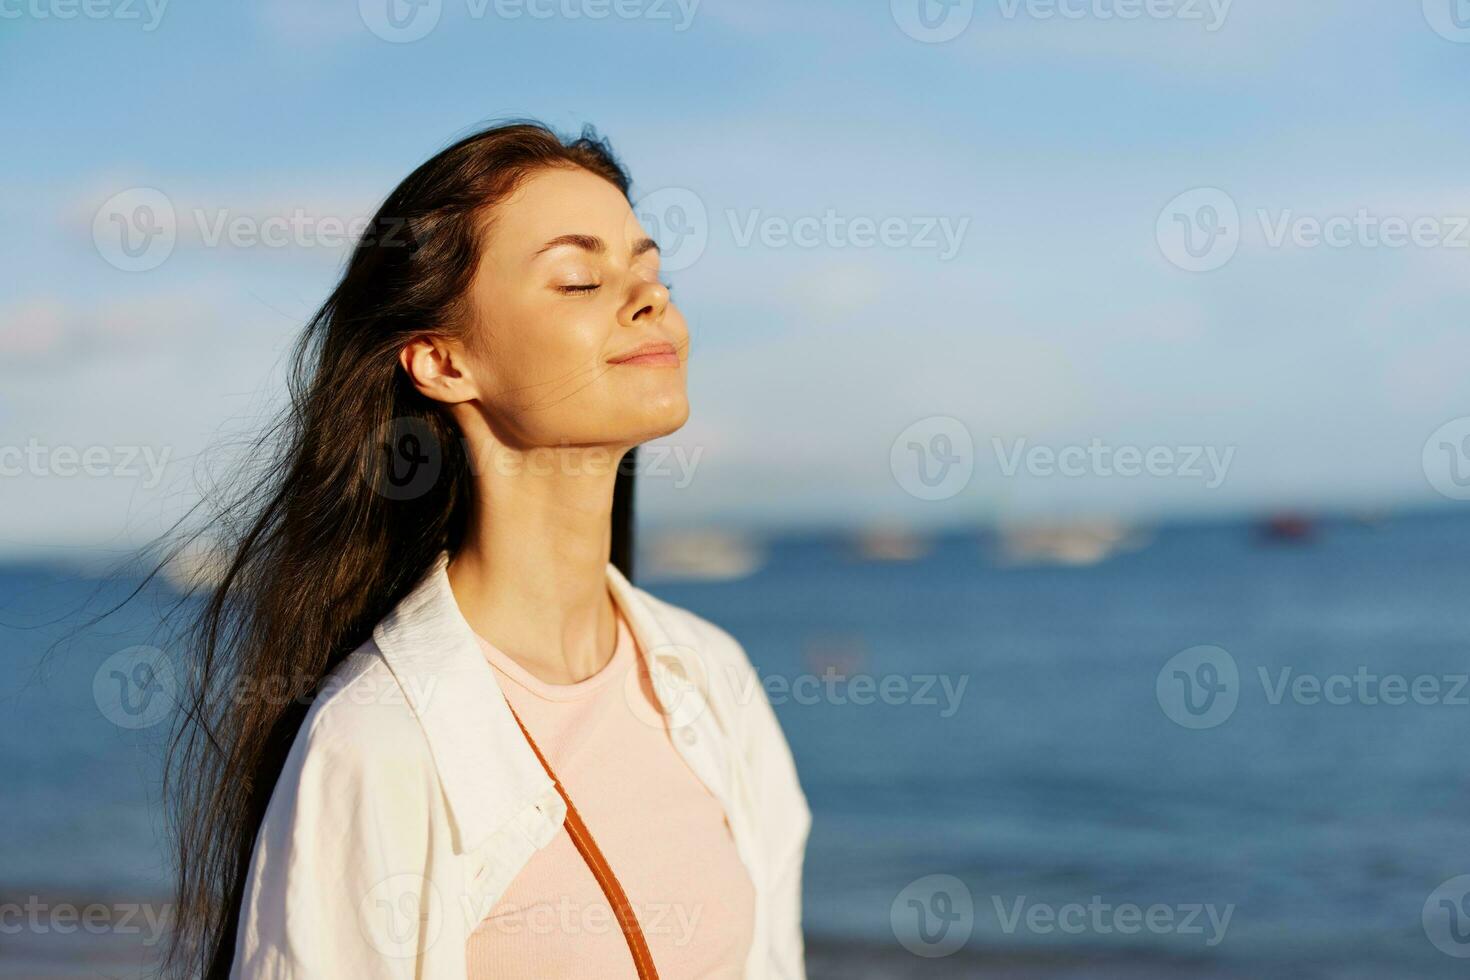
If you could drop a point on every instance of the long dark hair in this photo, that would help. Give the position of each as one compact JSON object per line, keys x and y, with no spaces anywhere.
{"x":319,"y":541}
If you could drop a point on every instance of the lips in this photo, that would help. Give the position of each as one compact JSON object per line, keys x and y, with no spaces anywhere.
{"x":660,"y":353}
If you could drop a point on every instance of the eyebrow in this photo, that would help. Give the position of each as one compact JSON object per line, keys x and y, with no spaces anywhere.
{"x":595,"y":245}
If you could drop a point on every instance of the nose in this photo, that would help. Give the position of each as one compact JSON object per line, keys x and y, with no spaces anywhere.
{"x":646,"y":303}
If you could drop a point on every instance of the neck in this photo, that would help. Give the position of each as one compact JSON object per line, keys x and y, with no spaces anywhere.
{"x":531,"y":574}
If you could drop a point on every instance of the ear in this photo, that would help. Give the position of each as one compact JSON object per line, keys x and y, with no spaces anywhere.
{"x":438,"y":368}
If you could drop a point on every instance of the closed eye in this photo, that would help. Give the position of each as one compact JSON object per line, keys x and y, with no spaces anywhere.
{"x":584,"y":288}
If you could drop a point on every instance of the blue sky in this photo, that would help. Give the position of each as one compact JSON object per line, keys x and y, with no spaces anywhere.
{"x":1049,"y":140}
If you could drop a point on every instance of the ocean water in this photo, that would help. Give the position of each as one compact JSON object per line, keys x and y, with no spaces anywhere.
{"x":1003,"y":725}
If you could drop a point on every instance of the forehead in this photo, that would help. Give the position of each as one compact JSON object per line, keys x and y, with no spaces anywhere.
{"x":561,"y":201}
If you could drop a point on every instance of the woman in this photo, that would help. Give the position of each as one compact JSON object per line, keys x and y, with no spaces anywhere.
{"x":457,"y":741}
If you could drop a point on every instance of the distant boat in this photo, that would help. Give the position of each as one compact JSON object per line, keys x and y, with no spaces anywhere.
{"x":890,"y":544}
{"x":843,"y":656}
{"x":1287,"y":528}
{"x":200,"y":566}
{"x":1068,"y":544}
{"x":708,"y":555}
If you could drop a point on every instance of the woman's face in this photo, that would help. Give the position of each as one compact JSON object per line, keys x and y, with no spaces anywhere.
{"x":566,"y":296}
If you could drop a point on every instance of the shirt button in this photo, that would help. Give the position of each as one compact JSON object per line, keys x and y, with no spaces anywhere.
{"x":687,"y":736}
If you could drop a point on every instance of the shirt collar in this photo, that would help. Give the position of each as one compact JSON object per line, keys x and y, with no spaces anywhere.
{"x":488,"y":772}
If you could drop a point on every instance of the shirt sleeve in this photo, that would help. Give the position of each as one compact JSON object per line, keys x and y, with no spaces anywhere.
{"x":339,"y":883}
{"x":783,"y":815}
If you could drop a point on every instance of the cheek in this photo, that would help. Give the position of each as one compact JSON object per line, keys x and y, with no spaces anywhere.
{"x":540,"y":358}
{"x":573,"y":343}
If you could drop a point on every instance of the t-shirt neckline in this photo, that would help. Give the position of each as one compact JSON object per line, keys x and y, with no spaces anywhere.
{"x":506,"y":666}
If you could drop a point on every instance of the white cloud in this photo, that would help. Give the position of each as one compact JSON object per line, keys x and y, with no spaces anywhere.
{"x":50,"y":330}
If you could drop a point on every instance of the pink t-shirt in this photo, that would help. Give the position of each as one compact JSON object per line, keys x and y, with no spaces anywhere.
{"x":662,"y":832}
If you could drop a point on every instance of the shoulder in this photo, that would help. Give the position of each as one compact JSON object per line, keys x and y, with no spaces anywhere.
{"x":738,"y":698}
{"x":705,"y":649}
{"x":351,"y":825}
{"x":714,"y":660}
{"x":690,"y":629}
{"x":361,"y":722}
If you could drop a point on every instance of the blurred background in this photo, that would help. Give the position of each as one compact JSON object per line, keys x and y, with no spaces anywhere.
{"x":1080,"y":441}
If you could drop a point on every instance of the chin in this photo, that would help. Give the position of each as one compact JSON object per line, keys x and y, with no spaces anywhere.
{"x":663,"y":415}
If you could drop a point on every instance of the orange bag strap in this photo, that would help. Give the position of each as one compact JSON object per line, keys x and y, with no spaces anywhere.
{"x":601,"y":870}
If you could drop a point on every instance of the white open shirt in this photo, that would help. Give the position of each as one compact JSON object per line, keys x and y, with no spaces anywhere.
{"x":410,"y":799}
